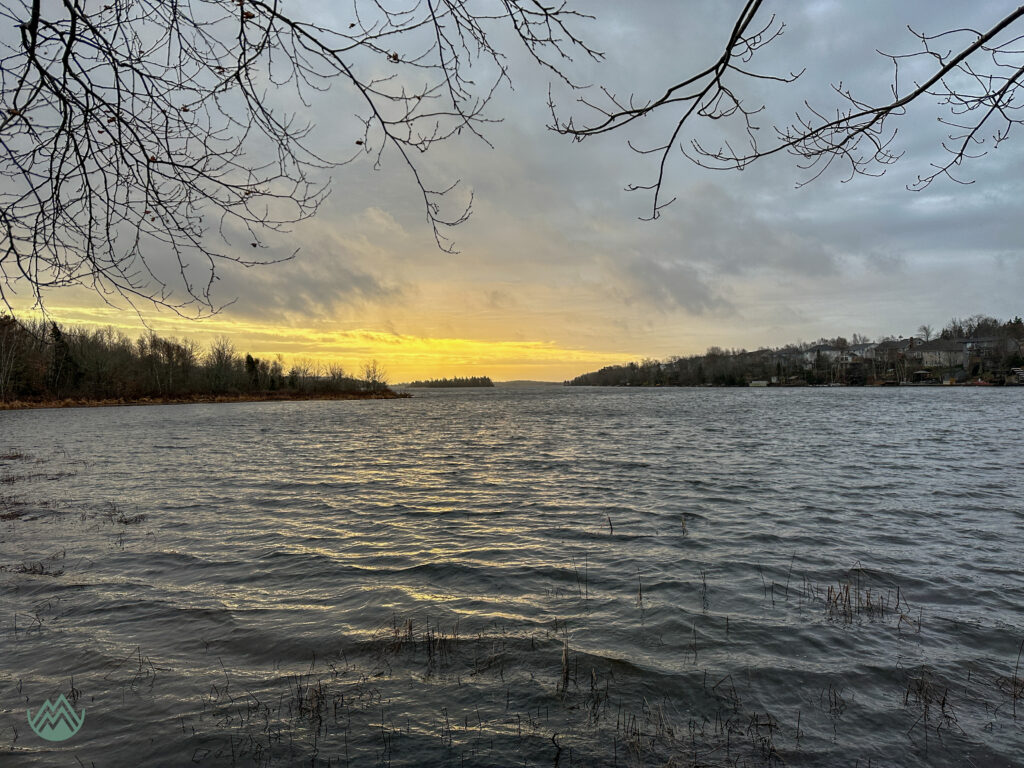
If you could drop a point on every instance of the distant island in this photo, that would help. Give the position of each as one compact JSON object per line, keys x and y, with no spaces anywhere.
{"x":979,"y":350}
{"x":46,"y":365}
{"x":464,"y":381}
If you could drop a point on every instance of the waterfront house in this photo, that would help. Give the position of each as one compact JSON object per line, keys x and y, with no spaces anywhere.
{"x":890,"y":358}
{"x":825,"y":352}
{"x":862,"y":351}
{"x":987,"y":352}
{"x":894,"y":349}
{"x":938,"y":353}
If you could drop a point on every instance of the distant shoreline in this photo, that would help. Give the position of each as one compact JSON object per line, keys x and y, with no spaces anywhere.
{"x":23,"y":405}
{"x":459,"y":382}
{"x":887,"y":385}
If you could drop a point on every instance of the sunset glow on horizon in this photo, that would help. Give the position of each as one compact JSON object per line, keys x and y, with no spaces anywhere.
{"x":405,"y":357}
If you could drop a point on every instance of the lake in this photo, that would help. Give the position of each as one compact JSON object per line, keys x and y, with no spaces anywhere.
{"x":528,"y":576}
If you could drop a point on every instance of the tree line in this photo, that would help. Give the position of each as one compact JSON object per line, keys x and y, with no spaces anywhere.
{"x":798,"y":363}
{"x":41,"y":360}
{"x":458,"y":381}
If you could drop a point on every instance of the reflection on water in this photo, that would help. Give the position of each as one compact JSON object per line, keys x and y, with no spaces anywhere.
{"x":545,"y":576}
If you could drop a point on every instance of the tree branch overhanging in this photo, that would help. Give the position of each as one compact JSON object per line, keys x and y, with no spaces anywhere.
{"x":133,"y":133}
{"x":977,"y":79}
{"x":143,"y":144}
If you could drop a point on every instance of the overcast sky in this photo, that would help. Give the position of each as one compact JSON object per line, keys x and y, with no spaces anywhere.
{"x":556,"y":275}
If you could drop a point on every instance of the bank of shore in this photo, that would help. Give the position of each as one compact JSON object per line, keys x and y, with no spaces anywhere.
{"x":17,"y":405}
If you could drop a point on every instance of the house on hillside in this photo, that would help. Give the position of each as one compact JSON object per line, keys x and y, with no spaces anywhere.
{"x":862,"y":351}
{"x":826,"y":352}
{"x":890,"y":358}
{"x":986,"y":353}
{"x":894,"y":349}
{"x":938,"y":353}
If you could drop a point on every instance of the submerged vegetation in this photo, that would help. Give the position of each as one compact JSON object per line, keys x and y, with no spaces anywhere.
{"x":43,"y":363}
{"x":422,"y":688}
{"x":500,"y":697}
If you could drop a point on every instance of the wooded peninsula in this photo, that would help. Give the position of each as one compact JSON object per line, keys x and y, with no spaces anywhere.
{"x":43,"y":364}
{"x":465,"y":381}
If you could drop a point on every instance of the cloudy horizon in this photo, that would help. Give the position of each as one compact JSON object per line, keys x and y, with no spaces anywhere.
{"x":556,"y":274}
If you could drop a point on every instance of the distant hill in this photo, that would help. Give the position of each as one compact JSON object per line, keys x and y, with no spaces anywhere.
{"x":979,"y":347}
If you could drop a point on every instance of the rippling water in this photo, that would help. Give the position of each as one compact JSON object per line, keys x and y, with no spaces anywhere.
{"x":538,"y":576}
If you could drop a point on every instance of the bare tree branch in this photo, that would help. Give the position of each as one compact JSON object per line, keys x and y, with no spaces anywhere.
{"x":132,"y":133}
{"x":144,"y":143}
{"x":977,"y":80}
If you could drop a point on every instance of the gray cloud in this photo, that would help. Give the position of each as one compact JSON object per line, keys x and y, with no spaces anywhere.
{"x":664,"y":286}
{"x":314,"y":286}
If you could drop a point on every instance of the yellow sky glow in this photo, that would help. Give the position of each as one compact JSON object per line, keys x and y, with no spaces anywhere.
{"x":405,"y":357}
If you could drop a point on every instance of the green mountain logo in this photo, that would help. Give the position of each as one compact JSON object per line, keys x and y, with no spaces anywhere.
{"x":56,"y":722}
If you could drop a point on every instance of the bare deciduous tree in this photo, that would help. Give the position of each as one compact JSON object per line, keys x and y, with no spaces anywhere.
{"x":222,"y":360}
{"x":375,"y":376}
{"x":9,"y":338}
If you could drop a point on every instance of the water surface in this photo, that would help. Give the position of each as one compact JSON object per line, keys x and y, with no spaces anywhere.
{"x":535,"y":576}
